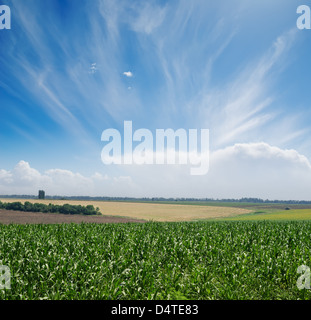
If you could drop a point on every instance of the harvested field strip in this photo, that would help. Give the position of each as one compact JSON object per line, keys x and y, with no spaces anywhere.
{"x":151,"y":211}
{"x":19,"y":217}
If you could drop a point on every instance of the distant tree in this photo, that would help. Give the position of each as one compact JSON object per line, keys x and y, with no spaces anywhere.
{"x":65,"y":209}
{"x":18,"y":206}
{"x":42,"y":207}
{"x":89,"y":210}
{"x":41,"y":194}
{"x":28,"y":206}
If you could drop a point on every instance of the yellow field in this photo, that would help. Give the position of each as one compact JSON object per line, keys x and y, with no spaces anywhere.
{"x":298,"y":214}
{"x":151,"y":211}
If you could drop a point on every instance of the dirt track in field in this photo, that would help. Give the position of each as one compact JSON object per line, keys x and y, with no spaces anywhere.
{"x":18,"y":217}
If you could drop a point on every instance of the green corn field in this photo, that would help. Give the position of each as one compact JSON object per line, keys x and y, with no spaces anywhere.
{"x":195,"y":260}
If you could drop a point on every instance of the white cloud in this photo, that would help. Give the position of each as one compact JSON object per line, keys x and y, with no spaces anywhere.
{"x":242,"y":170}
{"x":93,"y":68}
{"x":98,"y":176}
{"x":128,"y":74}
{"x":5,"y":176}
{"x":261,"y":151}
{"x":259,"y":170}
{"x":24,"y":174}
{"x":24,"y":179}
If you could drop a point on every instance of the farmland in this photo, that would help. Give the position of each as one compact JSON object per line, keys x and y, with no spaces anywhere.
{"x":181,"y":260}
{"x":284,"y":215}
{"x":180,"y":251}
{"x":162,"y":212}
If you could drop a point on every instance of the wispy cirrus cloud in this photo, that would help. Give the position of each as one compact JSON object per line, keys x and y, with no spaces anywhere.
{"x":242,"y":107}
{"x":233,"y":108}
{"x":58,"y":80}
{"x":148,"y":17}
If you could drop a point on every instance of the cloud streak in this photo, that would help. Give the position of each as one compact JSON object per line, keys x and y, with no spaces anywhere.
{"x":243,"y":107}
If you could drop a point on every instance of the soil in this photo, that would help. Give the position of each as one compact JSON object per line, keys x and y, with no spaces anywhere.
{"x":20,"y":217}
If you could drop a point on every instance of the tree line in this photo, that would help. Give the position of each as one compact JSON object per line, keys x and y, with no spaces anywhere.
{"x":50,"y":208}
{"x":159,"y":199}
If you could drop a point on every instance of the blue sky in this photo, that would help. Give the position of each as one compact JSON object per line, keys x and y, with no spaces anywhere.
{"x":71,"y":69}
